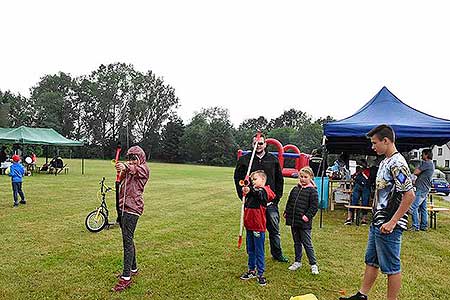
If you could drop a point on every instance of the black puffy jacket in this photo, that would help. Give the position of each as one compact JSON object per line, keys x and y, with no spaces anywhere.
{"x":301,"y":201}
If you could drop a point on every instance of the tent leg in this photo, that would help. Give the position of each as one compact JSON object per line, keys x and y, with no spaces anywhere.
{"x":82,"y":161}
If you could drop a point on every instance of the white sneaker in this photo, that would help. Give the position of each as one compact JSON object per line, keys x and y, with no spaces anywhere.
{"x":296,"y":265}
{"x":314,"y":269}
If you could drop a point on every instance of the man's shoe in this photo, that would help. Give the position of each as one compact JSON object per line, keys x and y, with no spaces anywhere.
{"x":262,"y":280}
{"x":413,"y":229}
{"x":121,"y":285}
{"x":248,"y":275}
{"x":16,"y":204}
{"x":363,"y":222}
{"x":357,"y":296}
{"x":282,"y":258}
{"x":23,"y":202}
{"x":314,"y":270}
{"x":296,"y":265}
{"x":348,"y":222}
{"x":132,"y":273}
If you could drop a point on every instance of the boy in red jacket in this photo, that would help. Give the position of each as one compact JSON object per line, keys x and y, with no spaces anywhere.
{"x":256,"y":198}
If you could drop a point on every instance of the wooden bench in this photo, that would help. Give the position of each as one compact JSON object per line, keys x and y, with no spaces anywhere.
{"x":433,"y":211}
{"x":358,"y":209}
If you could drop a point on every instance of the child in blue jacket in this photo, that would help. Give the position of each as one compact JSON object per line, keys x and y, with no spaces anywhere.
{"x":16,"y":172}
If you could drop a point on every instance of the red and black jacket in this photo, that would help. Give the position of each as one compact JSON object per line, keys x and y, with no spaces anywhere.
{"x":255,"y":208}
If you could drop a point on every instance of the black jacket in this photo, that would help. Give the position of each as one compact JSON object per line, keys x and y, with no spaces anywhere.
{"x":301,"y":201}
{"x":269,"y":164}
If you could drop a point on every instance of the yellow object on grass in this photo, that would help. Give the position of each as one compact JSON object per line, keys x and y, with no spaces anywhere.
{"x":7,"y":171}
{"x":304,"y":297}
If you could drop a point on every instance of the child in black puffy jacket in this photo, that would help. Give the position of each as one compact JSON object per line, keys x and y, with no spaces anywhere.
{"x":301,"y":208}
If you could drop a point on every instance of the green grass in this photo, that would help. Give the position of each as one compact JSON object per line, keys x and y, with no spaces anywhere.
{"x":186,"y":243}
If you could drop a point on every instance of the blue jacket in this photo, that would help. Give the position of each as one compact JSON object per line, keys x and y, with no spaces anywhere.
{"x":16,"y":171}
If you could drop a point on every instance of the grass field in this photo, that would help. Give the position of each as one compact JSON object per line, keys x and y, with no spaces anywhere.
{"x":186,"y":243}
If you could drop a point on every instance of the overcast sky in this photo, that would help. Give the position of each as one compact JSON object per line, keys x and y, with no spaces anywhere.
{"x":251,"y":57}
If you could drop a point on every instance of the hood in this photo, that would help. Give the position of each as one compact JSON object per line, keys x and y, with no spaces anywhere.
{"x":136,"y":150}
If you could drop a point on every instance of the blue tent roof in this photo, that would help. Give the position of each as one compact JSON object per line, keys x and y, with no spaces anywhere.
{"x":413,"y":129}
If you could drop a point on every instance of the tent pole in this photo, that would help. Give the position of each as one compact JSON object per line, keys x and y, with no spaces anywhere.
{"x":322,"y":169}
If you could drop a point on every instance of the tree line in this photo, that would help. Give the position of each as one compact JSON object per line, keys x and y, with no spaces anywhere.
{"x":118,"y":104}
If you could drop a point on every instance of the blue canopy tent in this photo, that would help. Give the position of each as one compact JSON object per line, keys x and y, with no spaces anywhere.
{"x":413,"y":129}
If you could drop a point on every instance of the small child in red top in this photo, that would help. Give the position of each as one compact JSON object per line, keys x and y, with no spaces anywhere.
{"x":257,"y":197}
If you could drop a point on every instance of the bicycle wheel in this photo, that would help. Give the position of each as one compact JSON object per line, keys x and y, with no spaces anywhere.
{"x":96,"y":221}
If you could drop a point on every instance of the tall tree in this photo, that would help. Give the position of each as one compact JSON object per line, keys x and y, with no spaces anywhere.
{"x":290,"y":118}
{"x":254,"y":124}
{"x":17,"y":110}
{"x":209,"y":137}
{"x":219,"y":142}
{"x":54,"y":101}
{"x":107,"y":92}
{"x":172,"y":133}
{"x":153,"y":102}
{"x":193,"y":140}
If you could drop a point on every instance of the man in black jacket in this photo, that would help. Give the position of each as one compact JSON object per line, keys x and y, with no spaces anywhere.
{"x":270,"y":165}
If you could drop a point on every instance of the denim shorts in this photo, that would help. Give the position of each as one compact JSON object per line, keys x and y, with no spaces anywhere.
{"x":383,"y":250}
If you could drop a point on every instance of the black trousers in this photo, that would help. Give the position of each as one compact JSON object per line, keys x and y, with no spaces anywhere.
{"x":302,"y":238}
{"x":128,"y":225}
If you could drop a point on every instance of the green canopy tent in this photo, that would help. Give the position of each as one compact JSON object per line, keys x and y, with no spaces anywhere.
{"x":37,"y":136}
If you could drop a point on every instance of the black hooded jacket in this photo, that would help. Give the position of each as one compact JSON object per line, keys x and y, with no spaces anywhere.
{"x":301,"y":201}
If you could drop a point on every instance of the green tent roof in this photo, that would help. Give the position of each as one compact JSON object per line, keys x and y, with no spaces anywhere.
{"x":36,"y":136}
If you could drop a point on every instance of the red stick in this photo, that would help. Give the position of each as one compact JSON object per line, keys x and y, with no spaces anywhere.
{"x":118,"y":149}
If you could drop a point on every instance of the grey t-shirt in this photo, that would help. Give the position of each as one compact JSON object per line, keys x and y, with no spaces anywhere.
{"x":423,"y":181}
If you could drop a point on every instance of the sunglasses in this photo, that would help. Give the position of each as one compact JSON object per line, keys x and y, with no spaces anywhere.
{"x":260,"y":143}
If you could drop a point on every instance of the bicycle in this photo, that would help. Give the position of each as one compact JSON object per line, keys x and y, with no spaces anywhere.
{"x":97,"y":219}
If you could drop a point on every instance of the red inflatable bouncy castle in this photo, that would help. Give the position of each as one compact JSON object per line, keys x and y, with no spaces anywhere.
{"x":301,"y":159}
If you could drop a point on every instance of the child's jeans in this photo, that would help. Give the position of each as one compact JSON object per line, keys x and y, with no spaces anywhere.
{"x":17,"y":189}
{"x":303,"y":237}
{"x":255,"y":251}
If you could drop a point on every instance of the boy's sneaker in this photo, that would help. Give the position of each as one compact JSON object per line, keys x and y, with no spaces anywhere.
{"x":262,"y":280}
{"x":314,"y":270}
{"x":23,"y":202}
{"x":296,"y":265}
{"x":248,"y":275}
{"x":121,"y":285}
{"x":348,"y":222}
{"x":357,"y":296}
{"x":15,"y":204}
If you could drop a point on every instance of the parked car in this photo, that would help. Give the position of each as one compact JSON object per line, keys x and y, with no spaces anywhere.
{"x":440,"y":185}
